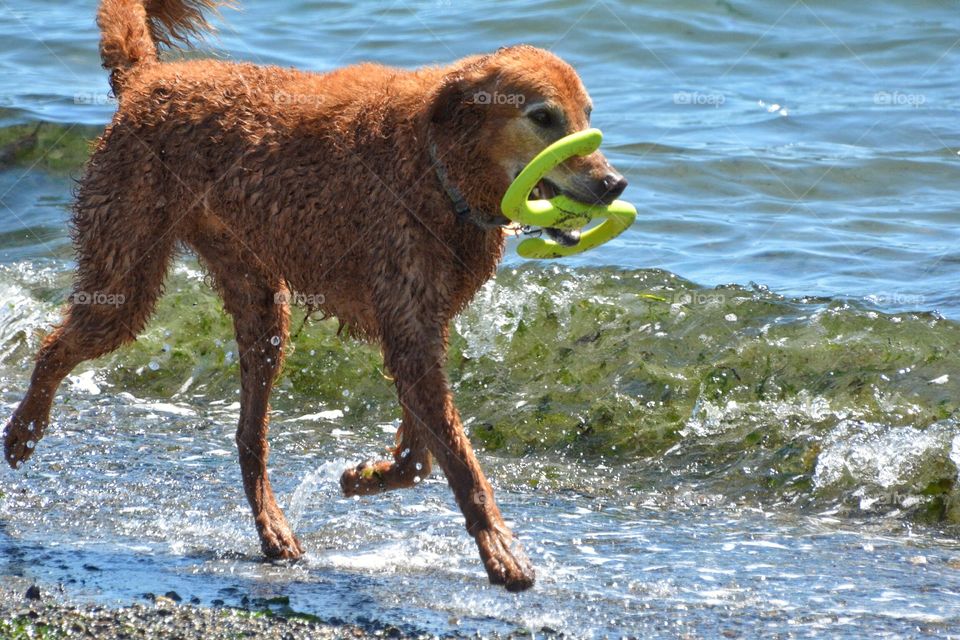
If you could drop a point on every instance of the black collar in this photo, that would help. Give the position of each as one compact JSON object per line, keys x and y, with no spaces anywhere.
{"x":460,"y":206}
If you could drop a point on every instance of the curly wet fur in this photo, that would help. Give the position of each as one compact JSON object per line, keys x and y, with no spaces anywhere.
{"x":323,"y":184}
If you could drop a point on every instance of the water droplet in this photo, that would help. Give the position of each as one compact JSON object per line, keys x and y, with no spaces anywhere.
{"x":165,"y":347}
{"x":31,"y":444}
{"x":405,"y":452}
{"x":31,"y":427}
{"x":313,"y":352}
{"x":154,"y":365}
{"x":416,"y":479}
{"x":419,"y":466}
{"x":275,"y":341}
{"x":346,"y":393}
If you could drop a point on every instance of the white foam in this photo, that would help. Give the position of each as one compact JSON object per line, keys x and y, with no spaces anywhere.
{"x":84,"y":383}
{"x":708,"y":418}
{"x":880,"y":455}
{"x":165,"y":407}
{"x":331,"y":415}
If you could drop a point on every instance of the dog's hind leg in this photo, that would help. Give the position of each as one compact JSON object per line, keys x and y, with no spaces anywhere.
{"x":121,"y":263}
{"x":258,"y":303}
{"x":410,"y":464}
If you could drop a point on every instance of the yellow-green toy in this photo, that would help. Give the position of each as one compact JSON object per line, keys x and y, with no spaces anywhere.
{"x":561,"y":212}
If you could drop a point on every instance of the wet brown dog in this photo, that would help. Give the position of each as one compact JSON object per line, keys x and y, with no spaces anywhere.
{"x":374,"y":189}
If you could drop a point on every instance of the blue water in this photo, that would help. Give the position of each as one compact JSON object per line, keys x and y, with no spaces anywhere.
{"x":808,"y":149}
{"x":810,"y":146}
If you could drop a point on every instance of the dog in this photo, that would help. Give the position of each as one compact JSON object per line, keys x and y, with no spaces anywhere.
{"x":374,"y":189}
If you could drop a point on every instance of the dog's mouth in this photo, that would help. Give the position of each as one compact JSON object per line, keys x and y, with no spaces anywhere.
{"x":544,"y":191}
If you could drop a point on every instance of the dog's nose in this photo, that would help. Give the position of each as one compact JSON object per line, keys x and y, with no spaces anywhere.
{"x":613,"y":185}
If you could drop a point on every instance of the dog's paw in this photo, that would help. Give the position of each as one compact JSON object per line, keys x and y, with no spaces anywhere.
{"x":362,"y":480}
{"x":504,"y":559}
{"x":279,"y":543}
{"x":369,"y":478}
{"x":19,"y":440}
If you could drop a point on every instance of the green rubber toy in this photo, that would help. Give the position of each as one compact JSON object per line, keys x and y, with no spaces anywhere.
{"x":561,"y":212}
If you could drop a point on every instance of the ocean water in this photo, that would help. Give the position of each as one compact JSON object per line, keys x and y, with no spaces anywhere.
{"x":738,"y":418}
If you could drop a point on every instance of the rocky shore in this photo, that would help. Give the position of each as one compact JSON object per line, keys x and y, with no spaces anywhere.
{"x":29,"y":611}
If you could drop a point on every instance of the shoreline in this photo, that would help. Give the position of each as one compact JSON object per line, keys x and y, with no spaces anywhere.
{"x":28,"y":610}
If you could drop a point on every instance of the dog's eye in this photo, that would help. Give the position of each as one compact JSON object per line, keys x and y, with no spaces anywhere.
{"x":542,"y":117}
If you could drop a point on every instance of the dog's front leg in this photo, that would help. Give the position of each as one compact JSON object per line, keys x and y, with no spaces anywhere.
{"x":415,"y":354}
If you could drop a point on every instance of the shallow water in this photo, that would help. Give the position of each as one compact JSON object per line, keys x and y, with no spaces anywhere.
{"x":744,"y":417}
{"x":148,"y":503}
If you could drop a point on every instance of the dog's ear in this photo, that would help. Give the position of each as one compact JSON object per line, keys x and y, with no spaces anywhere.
{"x":459,"y":90}
{"x":448,"y":98}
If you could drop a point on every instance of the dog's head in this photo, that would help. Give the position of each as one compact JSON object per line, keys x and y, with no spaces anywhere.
{"x":492,"y":114}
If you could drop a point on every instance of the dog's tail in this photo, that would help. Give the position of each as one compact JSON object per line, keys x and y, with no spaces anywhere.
{"x":132,"y":30}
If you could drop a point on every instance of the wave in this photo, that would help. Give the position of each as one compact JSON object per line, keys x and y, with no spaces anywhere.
{"x":738,"y":390}
{"x":49,"y":146}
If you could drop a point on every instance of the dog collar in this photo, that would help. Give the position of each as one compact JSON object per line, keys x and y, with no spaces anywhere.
{"x":460,"y":206}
